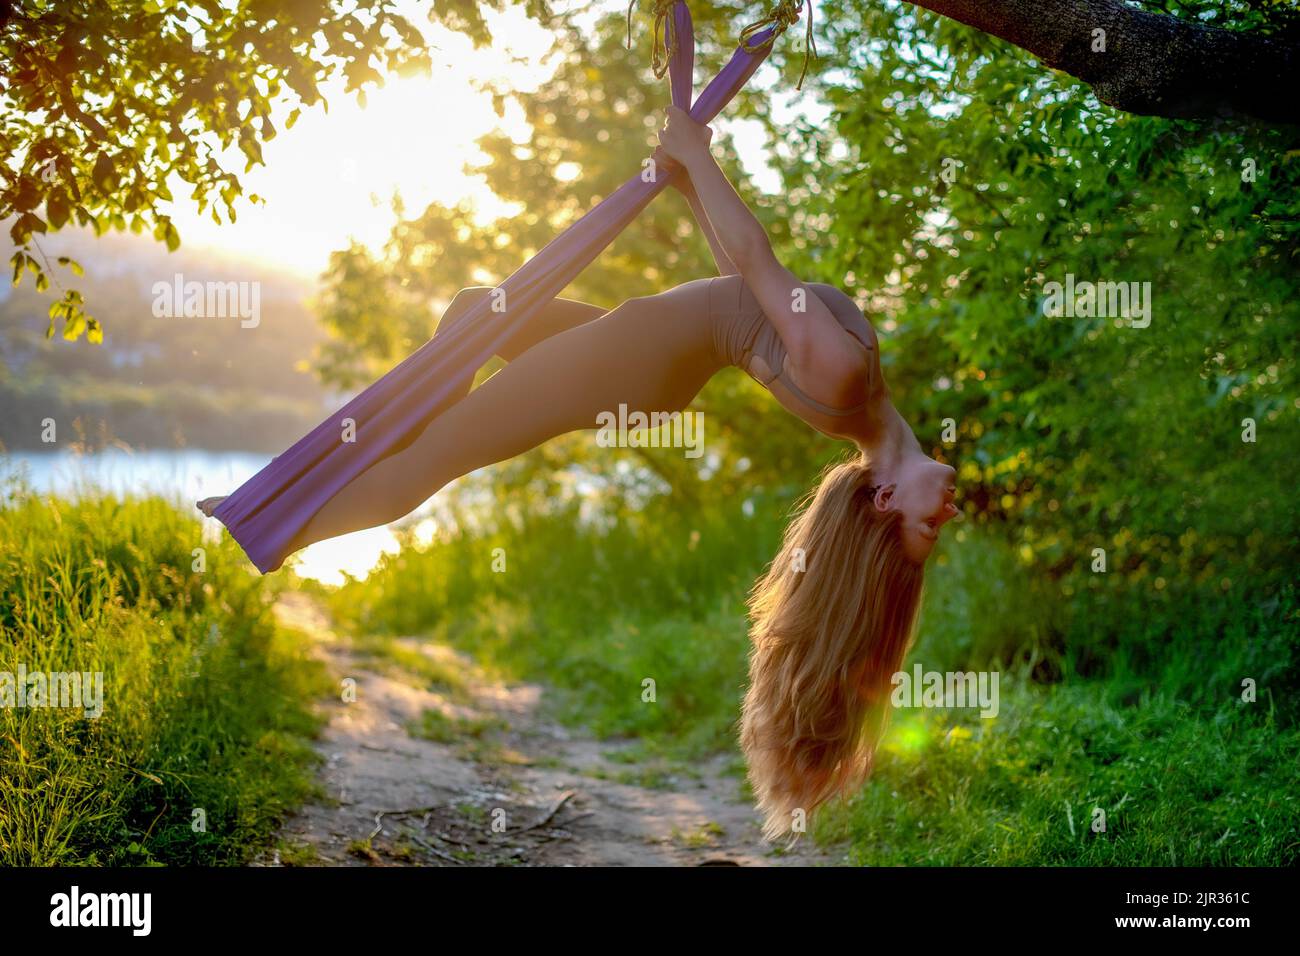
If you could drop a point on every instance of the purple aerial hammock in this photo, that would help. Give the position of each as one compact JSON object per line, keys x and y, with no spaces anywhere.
{"x":269,"y":511}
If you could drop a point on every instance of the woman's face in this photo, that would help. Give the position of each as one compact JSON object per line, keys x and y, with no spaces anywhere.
{"x":922,"y":490}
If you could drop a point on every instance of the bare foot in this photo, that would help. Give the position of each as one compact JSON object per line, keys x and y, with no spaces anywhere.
{"x":209,"y":505}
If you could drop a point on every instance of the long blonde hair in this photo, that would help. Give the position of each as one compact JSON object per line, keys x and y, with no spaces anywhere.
{"x":831,"y":620}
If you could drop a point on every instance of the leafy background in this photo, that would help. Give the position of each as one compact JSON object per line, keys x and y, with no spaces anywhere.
{"x":1121,"y":689}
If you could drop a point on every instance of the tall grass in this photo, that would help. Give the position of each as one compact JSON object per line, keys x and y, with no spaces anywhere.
{"x":201,"y":746}
{"x":1110,"y":698}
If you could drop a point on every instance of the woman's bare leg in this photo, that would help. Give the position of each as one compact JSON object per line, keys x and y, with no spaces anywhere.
{"x":559,"y":315}
{"x":652,"y":355}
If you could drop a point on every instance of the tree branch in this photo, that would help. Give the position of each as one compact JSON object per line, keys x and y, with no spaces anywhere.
{"x":1153,"y":64}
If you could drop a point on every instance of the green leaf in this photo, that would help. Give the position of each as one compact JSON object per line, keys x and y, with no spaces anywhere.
{"x":252,"y":149}
{"x":104,"y":175}
{"x":57,"y":210}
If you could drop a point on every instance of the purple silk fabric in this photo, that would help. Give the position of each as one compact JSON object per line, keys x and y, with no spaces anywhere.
{"x":268,"y":512}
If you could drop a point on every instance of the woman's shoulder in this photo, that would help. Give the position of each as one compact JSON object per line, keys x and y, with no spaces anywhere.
{"x":854,"y":321}
{"x":846,"y":312}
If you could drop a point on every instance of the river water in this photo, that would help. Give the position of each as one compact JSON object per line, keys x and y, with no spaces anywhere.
{"x":184,"y":476}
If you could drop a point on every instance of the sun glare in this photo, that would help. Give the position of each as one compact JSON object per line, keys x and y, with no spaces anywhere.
{"x":353,"y":554}
{"x":330,"y":178}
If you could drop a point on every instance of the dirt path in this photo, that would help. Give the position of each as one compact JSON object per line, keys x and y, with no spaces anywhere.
{"x":474,"y":776}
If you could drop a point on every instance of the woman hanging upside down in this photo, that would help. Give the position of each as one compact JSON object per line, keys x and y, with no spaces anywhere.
{"x":832,"y":617}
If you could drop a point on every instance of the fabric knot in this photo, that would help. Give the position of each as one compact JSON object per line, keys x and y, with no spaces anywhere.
{"x":661,"y":53}
{"x":780,"y":17}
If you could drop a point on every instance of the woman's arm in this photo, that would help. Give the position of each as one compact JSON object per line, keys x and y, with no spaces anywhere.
{"x":720,"y":258}
{"x":682,"y":183}
{"x":828,"y":362}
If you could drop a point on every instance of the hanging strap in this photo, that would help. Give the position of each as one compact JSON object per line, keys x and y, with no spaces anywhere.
{"x":679,"y":38}
{"x":664,"y":44}
{"x":267,"y":513}
{"x":782,"y":15}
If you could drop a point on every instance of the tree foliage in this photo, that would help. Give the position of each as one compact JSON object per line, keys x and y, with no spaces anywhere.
{"x":951,"y":179}
{"x":102,"y":102}
{"x":954,"y":180}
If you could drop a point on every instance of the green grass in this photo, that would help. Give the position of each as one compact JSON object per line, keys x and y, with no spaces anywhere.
{"x":203,"y":743}
{"x":298,"y":854}
{"x":436,"y":673}
{"x":639,"y":629}
{"x":1177,"y":786}
{"x":1111,"y":696}
{"x":476,"y":738}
